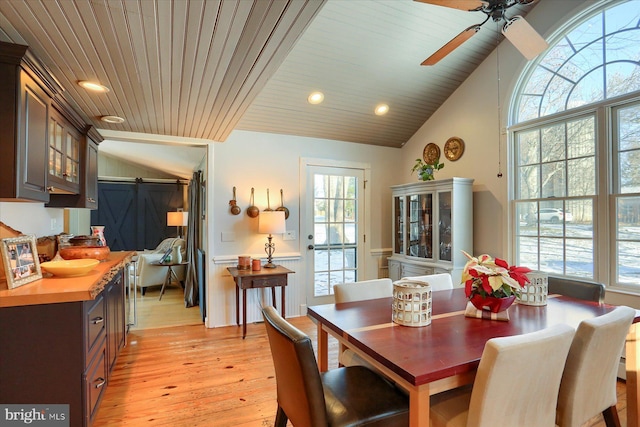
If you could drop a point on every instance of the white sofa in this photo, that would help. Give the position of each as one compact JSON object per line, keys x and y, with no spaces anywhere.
{"x":154,"y":275}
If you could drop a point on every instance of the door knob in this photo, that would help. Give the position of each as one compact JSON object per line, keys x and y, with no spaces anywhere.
{"x":310,"y":247}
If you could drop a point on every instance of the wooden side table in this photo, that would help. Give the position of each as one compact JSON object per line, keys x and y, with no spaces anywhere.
{"x":170,"y":274}
{"x":264,"y":278}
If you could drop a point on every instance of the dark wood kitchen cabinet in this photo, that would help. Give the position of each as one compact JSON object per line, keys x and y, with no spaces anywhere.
{"x":24,"y":113}
{"x":88,"y":194}
{"x":63,"y":353}
{"x":65,"y":143}
{"x":45,"y":153}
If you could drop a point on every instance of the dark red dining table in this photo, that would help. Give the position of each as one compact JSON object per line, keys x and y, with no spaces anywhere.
{"x":445,"y":354}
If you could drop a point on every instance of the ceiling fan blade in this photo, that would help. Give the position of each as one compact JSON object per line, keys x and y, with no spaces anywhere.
{"x":522,"y":35}
{"x":468,"y":5}
{"x":452,"y":45}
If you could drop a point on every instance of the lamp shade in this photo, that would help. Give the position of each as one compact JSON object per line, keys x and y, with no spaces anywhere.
{"x":271,"y":222}
{"x":177,"y":219}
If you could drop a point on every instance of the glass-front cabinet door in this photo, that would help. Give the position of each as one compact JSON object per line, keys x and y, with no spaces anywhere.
{"x":444,"y":224}
{"x":420,"y":226}
{"x":398,"y":234}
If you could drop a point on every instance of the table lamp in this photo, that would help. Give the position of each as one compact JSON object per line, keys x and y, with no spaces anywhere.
{"x":271,"y":222}
{"x":178,"y":219}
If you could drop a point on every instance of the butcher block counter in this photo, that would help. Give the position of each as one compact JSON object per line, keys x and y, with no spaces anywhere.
{"x":66,"y":289}
{"x":60,"y":338}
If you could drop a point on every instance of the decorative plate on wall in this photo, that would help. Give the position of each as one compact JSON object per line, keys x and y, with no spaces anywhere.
{"x":431,"y":153}
{"x":453,"y":148}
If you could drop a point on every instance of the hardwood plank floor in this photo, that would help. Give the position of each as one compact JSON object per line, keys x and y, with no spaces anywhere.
{"x":170,"y":311}
{"x":194,"y":376}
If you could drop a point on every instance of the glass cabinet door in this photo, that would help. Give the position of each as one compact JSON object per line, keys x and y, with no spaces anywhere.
{"x":413,"y":242}
{"x":420,"y":226}
{"x":444,"y":224}
{"x":398,"y":210}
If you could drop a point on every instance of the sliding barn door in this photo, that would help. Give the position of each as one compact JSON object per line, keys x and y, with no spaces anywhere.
{"x":135,"y":214}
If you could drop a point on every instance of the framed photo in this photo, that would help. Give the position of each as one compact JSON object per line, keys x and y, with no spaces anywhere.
{"x":20,"y":258}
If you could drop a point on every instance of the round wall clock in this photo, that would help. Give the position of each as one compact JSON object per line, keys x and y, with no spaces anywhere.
{"x":453,"y":148}
{"x":431,"y":153}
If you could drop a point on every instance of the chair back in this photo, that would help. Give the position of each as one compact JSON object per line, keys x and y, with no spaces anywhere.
{"x":589,"y":380}
{"x":363,"y":290}
{"x":581,"y":289}
{"x":438,"y":282}
{"x":298,"y":381}
{"x":518,"y":379}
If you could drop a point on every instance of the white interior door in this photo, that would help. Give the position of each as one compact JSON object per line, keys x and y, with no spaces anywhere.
{"x":333,"y":229}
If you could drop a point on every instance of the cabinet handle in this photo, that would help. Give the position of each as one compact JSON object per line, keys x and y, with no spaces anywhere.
{"x":97,"y":320}
{"x":101,"y":382}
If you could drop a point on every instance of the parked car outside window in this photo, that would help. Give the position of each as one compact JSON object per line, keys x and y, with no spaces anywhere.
{"x":553,"y":215}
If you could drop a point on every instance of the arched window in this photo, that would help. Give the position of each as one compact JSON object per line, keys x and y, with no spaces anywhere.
{"x":576,"y":136}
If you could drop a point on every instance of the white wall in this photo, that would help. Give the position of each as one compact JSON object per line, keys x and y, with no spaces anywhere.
{"x":32,"y":218}
{"x":262,"y":161}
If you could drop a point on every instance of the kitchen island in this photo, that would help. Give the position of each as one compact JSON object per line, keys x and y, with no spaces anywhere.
{"x":60,"y":338}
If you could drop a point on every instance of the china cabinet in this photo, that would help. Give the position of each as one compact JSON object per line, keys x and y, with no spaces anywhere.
{"x":432,"y":225}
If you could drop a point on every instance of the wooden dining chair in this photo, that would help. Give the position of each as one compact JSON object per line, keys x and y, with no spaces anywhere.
{"x":516,"y":384}
{"x":346,"y":396}
{"x":581,"y":289}
{"x":359,"y":291}
{"x":438,"y":282}
{"x":588,"y":385}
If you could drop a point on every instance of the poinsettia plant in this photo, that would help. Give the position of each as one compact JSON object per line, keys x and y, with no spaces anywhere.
{"x":486,"y":276}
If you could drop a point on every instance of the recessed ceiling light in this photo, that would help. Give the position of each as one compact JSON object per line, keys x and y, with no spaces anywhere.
{"x":96,"y":87}
{"x":381,"y":109}
{"x":112,"y":119}
{"x":315,"y":98}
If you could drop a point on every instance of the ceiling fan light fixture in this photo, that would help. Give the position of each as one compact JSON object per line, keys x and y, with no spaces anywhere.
{"x":315,"y":98}
{"x":522,"y":35}
{"x":112,"y":119}
{"x":96,"y":87}
{"x":381,"y":109}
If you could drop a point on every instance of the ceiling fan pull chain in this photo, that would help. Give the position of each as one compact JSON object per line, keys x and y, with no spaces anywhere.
{"x":498,"y":92}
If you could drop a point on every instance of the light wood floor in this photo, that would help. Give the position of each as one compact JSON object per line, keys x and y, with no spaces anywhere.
{"x":170,"y":311}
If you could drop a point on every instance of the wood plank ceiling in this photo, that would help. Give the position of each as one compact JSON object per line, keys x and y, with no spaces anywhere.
{"x":202,"y":68}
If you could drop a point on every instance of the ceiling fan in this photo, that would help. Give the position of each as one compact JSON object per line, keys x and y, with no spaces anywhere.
{"x":516,"y":29}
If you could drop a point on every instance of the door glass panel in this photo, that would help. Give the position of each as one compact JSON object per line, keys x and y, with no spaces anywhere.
{"x":336,"y":231}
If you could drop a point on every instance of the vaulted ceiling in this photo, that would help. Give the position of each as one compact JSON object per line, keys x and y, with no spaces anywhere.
{"x":202,"y":68}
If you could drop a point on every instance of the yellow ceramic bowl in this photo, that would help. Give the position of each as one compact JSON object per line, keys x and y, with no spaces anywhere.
{"x":70,"y":268}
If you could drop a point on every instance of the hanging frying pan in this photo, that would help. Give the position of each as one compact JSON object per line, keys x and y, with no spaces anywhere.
{"x":282,"y":208}
{"x":252,"y":210}
{"x":235,"y":209}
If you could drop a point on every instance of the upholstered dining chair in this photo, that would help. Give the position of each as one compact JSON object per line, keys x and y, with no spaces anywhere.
{"x":516,"y":384}
{"x":589,"y":380}
{"x":340,"y":397}
{"x":363,"y":290}
{"x":581,"y":289}
{"x":360,"y":291}
{"x":438,"y":282}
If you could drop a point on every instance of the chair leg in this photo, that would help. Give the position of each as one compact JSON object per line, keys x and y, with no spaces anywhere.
{"x":281,"y":418}
{"x":611,"y":417}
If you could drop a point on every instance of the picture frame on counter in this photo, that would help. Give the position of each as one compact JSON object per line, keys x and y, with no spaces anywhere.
{"x":20,"y":259}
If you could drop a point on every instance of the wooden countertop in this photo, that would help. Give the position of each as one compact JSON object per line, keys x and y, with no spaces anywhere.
{"x":54,"y":289}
